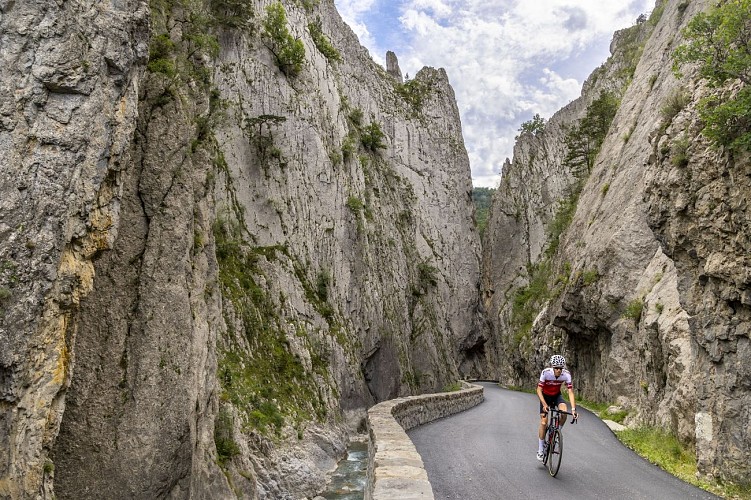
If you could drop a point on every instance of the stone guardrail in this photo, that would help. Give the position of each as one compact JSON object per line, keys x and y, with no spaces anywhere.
{"x":395,"y":469}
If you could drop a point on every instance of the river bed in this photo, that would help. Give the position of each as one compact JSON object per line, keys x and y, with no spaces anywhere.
{"x":347,"y":482}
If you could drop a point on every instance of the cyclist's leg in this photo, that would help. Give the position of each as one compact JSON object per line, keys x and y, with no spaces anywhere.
{"x":543,"y":423}
{"x":541,"y":430}
{"x":562,"y":406}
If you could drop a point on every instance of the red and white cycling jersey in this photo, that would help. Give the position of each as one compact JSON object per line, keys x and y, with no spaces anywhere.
{"x":551,"y":385}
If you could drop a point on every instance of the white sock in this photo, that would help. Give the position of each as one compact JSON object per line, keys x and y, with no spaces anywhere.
{"x":540,"y":445}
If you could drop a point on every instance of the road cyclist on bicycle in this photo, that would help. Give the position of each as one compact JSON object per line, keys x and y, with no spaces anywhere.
{"x":549,"y":394}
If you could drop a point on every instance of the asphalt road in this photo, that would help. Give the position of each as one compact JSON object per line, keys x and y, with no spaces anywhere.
{"x":488,"y":453}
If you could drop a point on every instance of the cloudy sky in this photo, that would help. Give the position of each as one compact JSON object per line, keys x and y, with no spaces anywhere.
{"x":506,"y":59}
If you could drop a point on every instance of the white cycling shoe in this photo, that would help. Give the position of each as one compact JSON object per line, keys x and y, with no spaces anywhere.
{"x":539,"y":456}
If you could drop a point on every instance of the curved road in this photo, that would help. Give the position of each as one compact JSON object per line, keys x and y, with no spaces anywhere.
{"x":488,"y":453}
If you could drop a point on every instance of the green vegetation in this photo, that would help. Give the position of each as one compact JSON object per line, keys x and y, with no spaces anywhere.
{"x":535,"y":126}
{"x":161,"y":52}
{"x":428,"y":274}
{"x":181,"y":60}
{"x":601,"y":409}
{"x":674,"y":104}
{"x":357,"y":207}
{"x":656,"y":14}
{"x":322,"y":42}
{"x":415,"y":92}
{"x":453,"y":387}
{"x":308,"y":5}
{"x":355,"y":204}
{"x":529,"y":299}
{"x":634,"y":309}
{"x":482,"y":198}
{"x":564,"y":214}
{"x":590,"y":276}
{"x":178,"y":65}
{"x":226,"y":447}
{"x":288,"y":50}
{"x":348,"y":148}
{"x":679,"y":152}
{"x":718,"y":41}
{"x":355,"y":117}
{"x":372,"y":136}
{"x":584,"y":140}
{"x":664,"y":450}
{"x":232,"y":13}
{"x":631,"y":47}
{"x":323,"y":284}
{"x":259,"y":373}
{"x":259,"y":130}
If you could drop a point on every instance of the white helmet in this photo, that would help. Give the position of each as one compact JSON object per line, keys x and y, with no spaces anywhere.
{"x":557,"y":361}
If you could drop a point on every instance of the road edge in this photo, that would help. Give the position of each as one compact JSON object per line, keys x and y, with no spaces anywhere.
{"x":395,"y":468}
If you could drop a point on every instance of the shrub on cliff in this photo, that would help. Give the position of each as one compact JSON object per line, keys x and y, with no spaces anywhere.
{"x":535,"y":126}
{"x":322,"y":42}
{"x":583,"y":140}
{"x":288,"y":50}
{"x":372,"y":137}
{"x":719,"y":41}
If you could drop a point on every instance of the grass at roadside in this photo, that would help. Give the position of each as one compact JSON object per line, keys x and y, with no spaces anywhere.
{"x":667,"y":452}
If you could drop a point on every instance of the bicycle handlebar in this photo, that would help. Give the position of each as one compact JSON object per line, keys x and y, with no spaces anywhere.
{"x":556,"y":410}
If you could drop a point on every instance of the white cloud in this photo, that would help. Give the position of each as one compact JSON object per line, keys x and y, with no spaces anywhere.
{"x":506,"y":59}
{"x":438,"y":7}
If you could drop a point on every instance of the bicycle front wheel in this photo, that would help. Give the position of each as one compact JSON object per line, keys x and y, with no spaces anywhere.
{"x":555,"y":453}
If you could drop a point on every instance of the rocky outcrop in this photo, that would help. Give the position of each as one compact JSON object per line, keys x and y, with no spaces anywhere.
{"x":215,"y":259}
{"x":392,"y":66}
{"x":646,"y":287}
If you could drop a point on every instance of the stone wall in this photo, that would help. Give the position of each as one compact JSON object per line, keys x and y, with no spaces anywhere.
{"x":395,"y":469}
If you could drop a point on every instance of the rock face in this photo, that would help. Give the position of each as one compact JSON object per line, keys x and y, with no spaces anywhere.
{"x":646,"y":288}
{"x":392,"y":66}
{"x":215,"y":259}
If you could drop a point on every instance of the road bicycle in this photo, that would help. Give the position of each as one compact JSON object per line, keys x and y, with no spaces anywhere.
{"x":553,"y":449}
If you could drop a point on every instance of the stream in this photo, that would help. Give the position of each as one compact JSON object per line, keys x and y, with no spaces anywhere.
{"x":347,"y":482}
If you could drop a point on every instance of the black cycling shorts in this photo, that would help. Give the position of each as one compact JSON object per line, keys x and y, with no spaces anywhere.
{"x":552,"y":401}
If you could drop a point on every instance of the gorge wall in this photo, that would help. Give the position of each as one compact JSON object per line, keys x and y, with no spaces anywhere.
{"x":225,"y":232}
{"x":636,"y":269}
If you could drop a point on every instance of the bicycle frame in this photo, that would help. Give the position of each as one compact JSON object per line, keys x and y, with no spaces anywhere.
{"x":553,"y":452}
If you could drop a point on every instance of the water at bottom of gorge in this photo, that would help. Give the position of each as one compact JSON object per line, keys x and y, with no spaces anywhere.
{"x":347,"y":482}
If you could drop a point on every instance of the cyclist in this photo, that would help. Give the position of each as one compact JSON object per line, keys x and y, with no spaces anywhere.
{"x":549,"y":393}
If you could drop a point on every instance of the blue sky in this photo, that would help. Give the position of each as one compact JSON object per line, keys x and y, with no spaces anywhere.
{"x":506,"y":59}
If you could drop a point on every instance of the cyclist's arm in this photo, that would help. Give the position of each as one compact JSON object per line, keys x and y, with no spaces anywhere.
{"x":542,"y":399}
{"x":572,"y":399}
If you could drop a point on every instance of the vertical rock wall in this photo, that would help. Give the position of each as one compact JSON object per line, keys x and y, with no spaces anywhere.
{"x":68,"y":103}
{"x":648,"y":287}
{"x":212,"y":267}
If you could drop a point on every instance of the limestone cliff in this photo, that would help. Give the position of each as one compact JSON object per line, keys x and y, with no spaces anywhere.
{"x":224,"y":233}
{"x":637,"y":270}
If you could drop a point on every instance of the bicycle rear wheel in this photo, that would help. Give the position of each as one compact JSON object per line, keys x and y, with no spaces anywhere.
{"x":555,"y":453}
